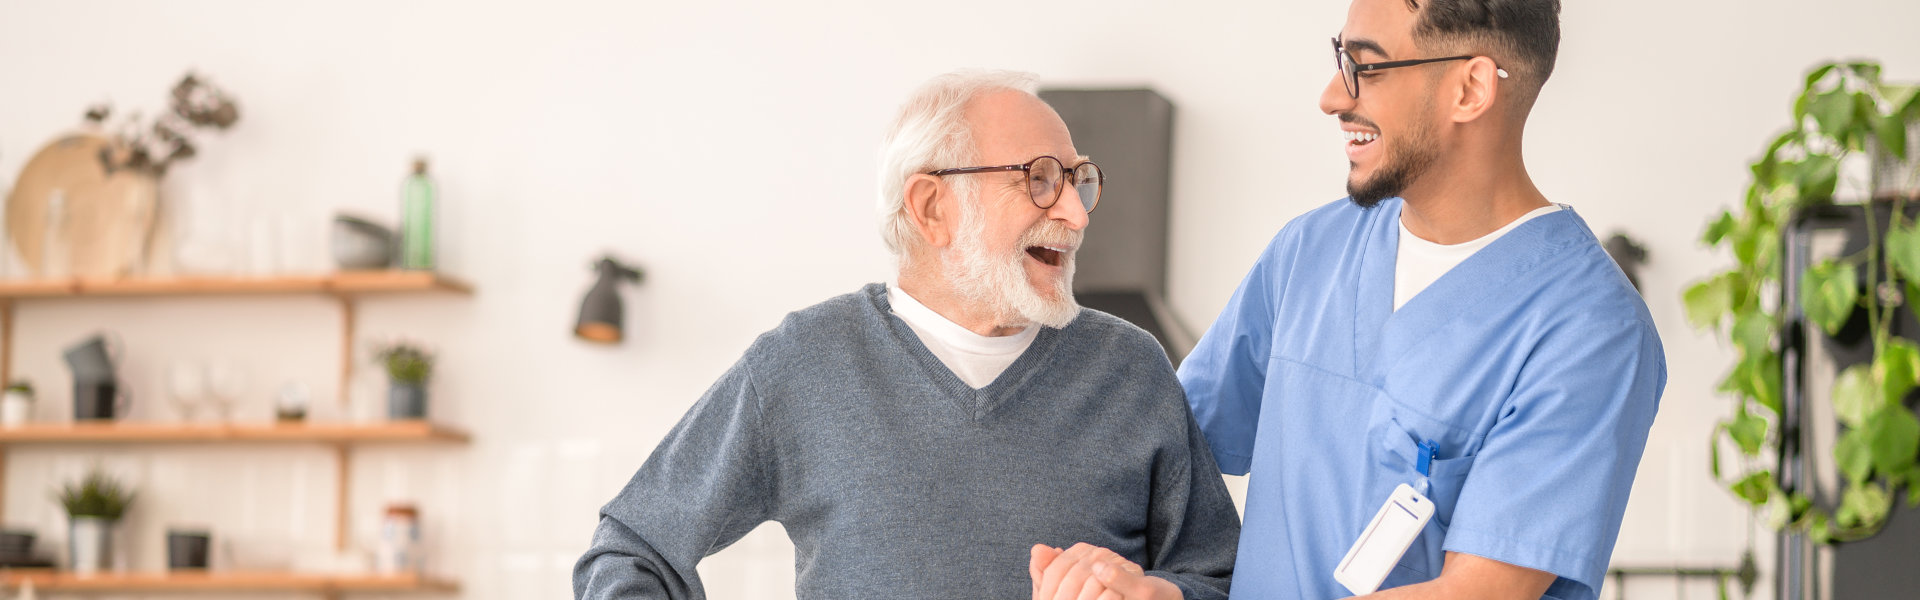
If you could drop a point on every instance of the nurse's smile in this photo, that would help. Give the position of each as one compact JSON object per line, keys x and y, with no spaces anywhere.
{"x":1359,"y":142}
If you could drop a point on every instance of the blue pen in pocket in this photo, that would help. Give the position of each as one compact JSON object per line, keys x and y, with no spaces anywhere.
{"x":1424,"y":460}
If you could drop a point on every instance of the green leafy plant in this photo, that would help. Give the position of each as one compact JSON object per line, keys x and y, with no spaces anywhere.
{"x":96,"y":495}
{"x":21,"y":386}
{"x":405,"y":362}
{"x":1844,"y":109}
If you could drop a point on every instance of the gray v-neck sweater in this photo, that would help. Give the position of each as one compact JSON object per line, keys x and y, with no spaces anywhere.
{"x":895,"y":479}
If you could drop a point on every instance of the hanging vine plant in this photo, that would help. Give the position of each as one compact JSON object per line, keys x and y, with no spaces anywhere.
{"x":1844,"y":109}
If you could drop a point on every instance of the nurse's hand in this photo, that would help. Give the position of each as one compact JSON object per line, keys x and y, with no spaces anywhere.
{"x":1088,"y":572}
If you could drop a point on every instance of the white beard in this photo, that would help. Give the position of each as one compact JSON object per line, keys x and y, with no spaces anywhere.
{"x":1001,"y":282}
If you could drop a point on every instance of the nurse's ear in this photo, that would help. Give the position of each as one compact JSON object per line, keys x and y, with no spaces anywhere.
{"x":1475,"y":90}
{"x":933,"y":208}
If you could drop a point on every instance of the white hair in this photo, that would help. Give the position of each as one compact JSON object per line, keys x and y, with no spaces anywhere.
{"x":931,"y":132}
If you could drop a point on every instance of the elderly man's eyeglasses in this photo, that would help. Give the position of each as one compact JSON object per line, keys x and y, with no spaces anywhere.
{"x":1350,"y":69}
{"x":1047,"y":178}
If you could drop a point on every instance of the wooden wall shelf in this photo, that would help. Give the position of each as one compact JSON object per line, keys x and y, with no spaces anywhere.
{"x":61,"y":582}
{"x":338,"y":283}
{"x":344,"y":286}
{"x":341,"y":436}
{"x":164,"y":433}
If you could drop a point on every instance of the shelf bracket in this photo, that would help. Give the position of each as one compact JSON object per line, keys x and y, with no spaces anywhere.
{"x":345,"y":474}
{"x":6,"y":341}
{"x":6,"y":379}
{"x":346,"y":353}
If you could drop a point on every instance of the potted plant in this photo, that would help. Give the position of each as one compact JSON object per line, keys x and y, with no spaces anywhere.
{"x":17,"y":404}
{"x":1844,"y":112}
{"x":94,"y":506}
{"x":408,"y":369}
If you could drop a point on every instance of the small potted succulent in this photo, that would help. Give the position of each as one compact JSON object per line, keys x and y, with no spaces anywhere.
{"x":94,"y":506}
{"x":408,"y":368}
{"x":17,"y":405}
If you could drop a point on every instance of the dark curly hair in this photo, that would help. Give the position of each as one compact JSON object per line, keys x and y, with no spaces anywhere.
{"x":1523,"y":36}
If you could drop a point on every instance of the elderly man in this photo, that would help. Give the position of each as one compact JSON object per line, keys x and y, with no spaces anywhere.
{"x":916,"y":439}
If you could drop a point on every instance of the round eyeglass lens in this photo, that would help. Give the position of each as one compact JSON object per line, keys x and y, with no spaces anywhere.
{"x":1087,"y":180}
{"x":1043,"y":181}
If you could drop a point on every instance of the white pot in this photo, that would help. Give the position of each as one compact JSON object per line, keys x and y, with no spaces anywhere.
{"x":15,"y":409}
{"x":89,"y":545}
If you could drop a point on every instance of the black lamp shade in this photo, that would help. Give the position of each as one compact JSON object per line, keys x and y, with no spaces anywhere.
{"x":601,"y":314}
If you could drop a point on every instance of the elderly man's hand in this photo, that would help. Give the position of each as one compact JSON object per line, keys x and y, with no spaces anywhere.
{"x":1088,"y":572}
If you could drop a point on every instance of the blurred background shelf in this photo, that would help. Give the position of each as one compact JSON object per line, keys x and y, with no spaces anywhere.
{"x":50,"y":581}
{"x":347,"y":287}
{"x":341,"y":436}
{"x":135,"y":432}
{"x":338,"y":283}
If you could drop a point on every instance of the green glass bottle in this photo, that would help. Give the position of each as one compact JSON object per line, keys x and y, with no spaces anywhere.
{"x":416,"y":219}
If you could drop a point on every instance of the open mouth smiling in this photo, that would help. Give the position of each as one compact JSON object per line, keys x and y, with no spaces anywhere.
{"x":1052,"y":256}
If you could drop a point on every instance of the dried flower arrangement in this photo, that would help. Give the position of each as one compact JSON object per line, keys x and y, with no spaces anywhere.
{"x":156,"y":144}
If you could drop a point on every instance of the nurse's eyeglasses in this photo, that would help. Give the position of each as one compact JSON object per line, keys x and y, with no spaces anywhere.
{"x":1047,"y":178}
{"x":1350,"y":69}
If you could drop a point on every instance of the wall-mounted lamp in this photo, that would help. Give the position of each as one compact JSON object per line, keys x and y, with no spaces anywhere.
{"x":1629,"y":254}
{"x":601,"y":313}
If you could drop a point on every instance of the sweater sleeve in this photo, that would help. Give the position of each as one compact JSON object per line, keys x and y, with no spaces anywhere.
{"x":1192,"y":529}
{"x":706,"y":485}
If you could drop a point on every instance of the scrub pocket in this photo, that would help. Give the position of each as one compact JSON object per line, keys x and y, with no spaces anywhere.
{"x":1394,"y":435}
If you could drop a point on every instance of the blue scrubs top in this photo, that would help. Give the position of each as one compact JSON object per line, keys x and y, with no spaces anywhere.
{"x":1533,"y":364}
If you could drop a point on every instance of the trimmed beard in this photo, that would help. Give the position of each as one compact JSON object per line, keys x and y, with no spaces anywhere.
{"x":1000,"y":282}
{"x":1402,"y":165}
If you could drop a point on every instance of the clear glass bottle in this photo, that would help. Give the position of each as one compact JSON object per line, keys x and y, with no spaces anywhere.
{"x":416,"y":219}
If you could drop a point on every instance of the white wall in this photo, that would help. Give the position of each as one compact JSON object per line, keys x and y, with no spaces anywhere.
{"x":729,"y":148}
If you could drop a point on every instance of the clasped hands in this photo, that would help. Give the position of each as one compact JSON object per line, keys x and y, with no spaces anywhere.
{"x":1088,"y":572}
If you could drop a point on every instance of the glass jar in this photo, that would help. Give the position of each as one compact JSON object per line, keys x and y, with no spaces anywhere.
{"x":399,"y":550}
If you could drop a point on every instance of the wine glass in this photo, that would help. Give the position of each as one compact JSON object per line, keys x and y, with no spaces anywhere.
{"x":186,"y":387}
{"x":226,"y":383}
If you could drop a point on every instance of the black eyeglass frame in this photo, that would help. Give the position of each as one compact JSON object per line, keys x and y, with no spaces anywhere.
{"x":1066,"y":175}
{"x":1351,"y":78}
